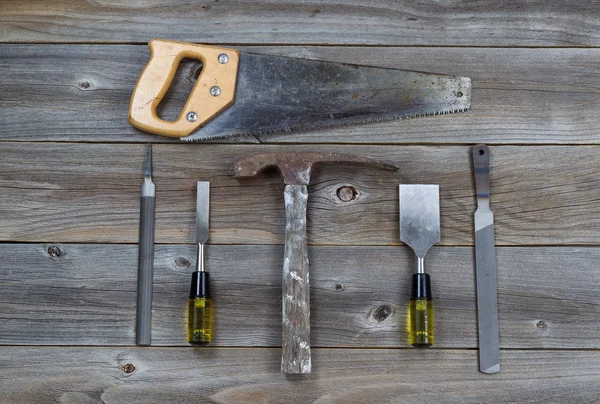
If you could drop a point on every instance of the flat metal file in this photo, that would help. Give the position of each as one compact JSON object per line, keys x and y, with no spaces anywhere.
{"x":146,"y":257}
{"x":485,"y":263}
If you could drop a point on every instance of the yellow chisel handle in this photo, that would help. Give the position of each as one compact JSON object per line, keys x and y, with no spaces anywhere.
{"x":420,"y":311}
{"x":200,"y":310}
{"x":213,"y":92}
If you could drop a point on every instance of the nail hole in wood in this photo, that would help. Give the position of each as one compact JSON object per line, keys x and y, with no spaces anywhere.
{"x":128,"y":368}
{"x":346,"y":193}
{"x":54,"y":252}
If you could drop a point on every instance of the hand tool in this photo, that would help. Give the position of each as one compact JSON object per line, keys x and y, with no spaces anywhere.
{"x":239,"y":93}
{"x":295,"y":168}
{"x":420,"y":230}
{"x":146,"y":257}
{"x":485,"y":264}
{"x":200,"y":308}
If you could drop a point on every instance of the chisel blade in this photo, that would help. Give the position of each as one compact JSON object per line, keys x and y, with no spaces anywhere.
{"x":202,"y":208}
{"x":419,"y":216}
{"x":485,"y":264}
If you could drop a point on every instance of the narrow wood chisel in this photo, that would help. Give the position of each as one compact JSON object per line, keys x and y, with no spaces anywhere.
{"x":146,"y":257}
{"x":485,"y":263}
{"x":200,"y":310}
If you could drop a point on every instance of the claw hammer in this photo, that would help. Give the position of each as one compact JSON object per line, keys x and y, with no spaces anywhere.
{"x":295,"y":168}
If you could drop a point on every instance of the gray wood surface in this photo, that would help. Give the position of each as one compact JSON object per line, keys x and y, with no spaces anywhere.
{"x":82,"y":93}
{"x":548,"y":297}
{"x":71,"y":171}
{"x":183,"y":375}
{"x":69,"y":192}
{"x":406,"y":22}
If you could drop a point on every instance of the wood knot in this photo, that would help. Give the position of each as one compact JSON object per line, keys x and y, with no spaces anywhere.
{"x":182,"y":262}
{"x":54,"y":252}
{"x":382,"y":312}
{"x":339,"y":287}
{"x":541,"y":324}
{"x":84,"y":85}
{"x":128,"y":368}
{"x":346,"y":193}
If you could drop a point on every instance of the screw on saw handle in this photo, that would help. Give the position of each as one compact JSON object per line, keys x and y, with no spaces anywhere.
{"x":213,"y":92}
{"x":420,"y":312}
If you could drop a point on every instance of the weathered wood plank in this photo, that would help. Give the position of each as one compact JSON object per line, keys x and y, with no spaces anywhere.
{"x":77,"y":375}
{"x":408,"y":22}
{"x":548,"y":297}
{"x":82,"y":93}
{"x":64,"y":192}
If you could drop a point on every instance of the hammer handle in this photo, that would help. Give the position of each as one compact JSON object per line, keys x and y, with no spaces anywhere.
{"x":295,"y":356}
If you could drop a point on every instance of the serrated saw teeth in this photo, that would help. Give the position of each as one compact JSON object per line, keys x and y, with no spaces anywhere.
{"x":197,"y":139}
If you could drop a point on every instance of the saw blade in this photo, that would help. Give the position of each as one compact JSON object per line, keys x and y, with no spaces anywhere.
{"x":280,"y":94}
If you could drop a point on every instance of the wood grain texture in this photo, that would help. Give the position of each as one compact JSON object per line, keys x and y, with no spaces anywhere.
{"x":65,"y":192}
{"x":90,"y":375}
{"x":547,"y":297}
{"x":406,"y":22}
{"x":82,"y":93}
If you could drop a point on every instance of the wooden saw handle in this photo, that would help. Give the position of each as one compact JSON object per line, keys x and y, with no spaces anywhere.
{"x":202,"y":103}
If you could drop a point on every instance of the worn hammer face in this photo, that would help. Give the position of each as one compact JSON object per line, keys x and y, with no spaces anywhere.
{"x":295,"y":168}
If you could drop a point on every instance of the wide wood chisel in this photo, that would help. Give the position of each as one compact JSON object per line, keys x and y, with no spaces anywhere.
{"x":420,"y":230}
{"x":485,"y":263}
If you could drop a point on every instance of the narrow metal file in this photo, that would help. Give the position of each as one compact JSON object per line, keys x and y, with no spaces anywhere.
{"x":485,"y":262}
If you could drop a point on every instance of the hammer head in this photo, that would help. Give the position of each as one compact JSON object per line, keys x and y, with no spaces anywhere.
{"x":295,"y":168}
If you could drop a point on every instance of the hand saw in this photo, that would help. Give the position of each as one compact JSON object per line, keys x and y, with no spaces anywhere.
{"x":239,"y":93}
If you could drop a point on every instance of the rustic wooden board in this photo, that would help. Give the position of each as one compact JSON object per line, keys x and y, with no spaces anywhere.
{"x":407,"y":22}
{"x":180,"y":375}
{"x":82,"y":93}
{"x":65,"y":192}
{"x":547,"y":297}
